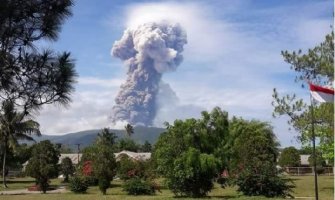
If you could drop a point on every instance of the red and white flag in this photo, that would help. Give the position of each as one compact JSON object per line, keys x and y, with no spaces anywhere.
{"x":321,"y":94}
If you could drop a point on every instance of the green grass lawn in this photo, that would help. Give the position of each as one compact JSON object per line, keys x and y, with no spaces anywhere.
{"x":304,"y":188}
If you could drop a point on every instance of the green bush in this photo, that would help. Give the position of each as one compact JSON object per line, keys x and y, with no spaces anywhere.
{"x":320,"y":170}
{"x":78,"y":185}
{"x":137,"y":186}
{"x":193,"y":174}
{"x":103,"y":185}
{"x":253,"y":184}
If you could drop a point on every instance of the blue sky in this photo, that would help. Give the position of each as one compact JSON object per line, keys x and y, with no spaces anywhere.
{"x":232,"y":59}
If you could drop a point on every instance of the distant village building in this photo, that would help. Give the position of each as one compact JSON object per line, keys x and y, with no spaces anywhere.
{"x":133,"y":155}
{"x":304,"y":160}
{"x":73,"y":156}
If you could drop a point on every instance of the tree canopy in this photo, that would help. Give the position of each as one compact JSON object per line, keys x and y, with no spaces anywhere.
{"x":253,"y":158}
{"x":30,"y":77}
{"x":316,"y":66}
{"x":101,"y":160}
{"x":14,"y":127}
{"x":43,"y":164}
{"x":67,"y":168}
{"x":189,"y":153}
{"x":289,"y":157}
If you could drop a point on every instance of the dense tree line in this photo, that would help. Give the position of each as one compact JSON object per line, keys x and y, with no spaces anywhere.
{"x":191,"y":154}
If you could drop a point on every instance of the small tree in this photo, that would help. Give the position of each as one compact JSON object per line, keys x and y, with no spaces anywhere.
{"x":193,"y":174}
{"x":43,"y":163}
{"x":13,"y":127}
{"x":67,"y":168}
{"x":99,"y":160}
{"x":129,"y":129}
{"x":289,"y":157}
{"x":104,"y":166}
{"x":128,"y":145}
{"x":124,"y":166}
{"x":146,"y":147}
{"x":320,"y":162}
{"x":190,"y":153}
{"x":128,"y":168}
{"x":106,"y":137}
{"x":253,"y":157}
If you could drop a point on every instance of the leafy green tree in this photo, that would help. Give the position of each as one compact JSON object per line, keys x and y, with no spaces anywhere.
{"x":146,"y":147}
{"x":193,"y":174}
{"x":124,"y":166}
{"x":31,"y":77}
{"x":128,"y":145}
{"x":189,"y":147}
{"x":21,"y":154}
{"x":65,"y":149}
{"x":104,"y":166}
{"x":252,"y":160}
{"x":317,"y":66}
{"x":128,"y":168}
{"x":67,"y":168}
{"x":129,"y":129}
{"x":320,"y":162}
{"x":105,"y":137}
{"x":13,"y":127}
{"x":43,"y":164}
{"x":306,"y":150}
{"x":289,"y":157}
{"x":101,"y":154}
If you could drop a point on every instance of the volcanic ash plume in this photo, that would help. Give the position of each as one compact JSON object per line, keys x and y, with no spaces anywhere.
{"x":148,"y":51}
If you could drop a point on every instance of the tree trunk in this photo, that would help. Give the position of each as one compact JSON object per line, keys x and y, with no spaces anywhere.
{"x":4,"y":166}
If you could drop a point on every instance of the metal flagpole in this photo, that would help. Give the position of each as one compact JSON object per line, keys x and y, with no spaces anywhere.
{"x":314,"y":154}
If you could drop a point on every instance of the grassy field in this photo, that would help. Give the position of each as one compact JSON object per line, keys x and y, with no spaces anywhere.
{"x":304,"y":188}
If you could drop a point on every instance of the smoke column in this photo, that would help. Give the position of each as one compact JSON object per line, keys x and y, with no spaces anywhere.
{"x":148,"y":51}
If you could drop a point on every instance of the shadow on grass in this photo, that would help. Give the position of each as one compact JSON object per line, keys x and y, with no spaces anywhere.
{"x":22,"y":181}
{"x":114,"y":185}
{"x":225,"y":196}
{"x":210,"y":197}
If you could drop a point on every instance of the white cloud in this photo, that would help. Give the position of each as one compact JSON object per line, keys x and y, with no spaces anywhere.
{"x":98,"y":82}
{"x":89,"y":110}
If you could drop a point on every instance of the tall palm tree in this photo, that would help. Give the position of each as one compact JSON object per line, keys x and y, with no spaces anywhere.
{"x":14,"y":127}
{"x":129,"y":129}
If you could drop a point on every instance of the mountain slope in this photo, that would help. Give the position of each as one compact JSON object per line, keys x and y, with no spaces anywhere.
{"x":85,"y":138}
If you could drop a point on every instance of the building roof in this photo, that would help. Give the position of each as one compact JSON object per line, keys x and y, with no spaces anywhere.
{"x":133,"y":155}
{"x":72,"y":156}
{"x":304,"y":159}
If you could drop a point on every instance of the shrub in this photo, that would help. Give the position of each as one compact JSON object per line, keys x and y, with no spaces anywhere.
{"x":268,"y":185}
{"x":43,"y":163}
{"x":103,"y":185}
{"x":253,"y":160}
{"x":320,"y":170}
{"x":67,"y":168}
{"x":137,"y":186}
{"x":193,"y":174}
{"x":289,"y":157}
{"x":78,"y":185}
